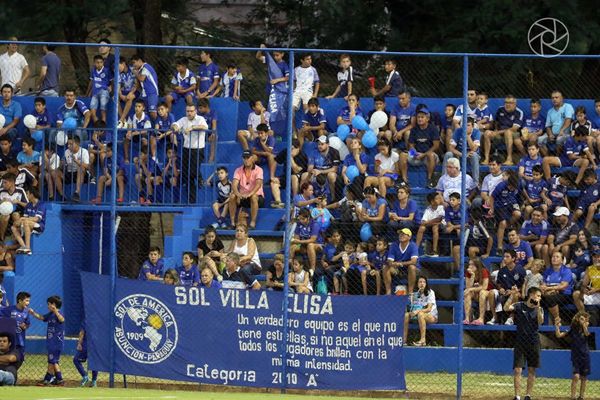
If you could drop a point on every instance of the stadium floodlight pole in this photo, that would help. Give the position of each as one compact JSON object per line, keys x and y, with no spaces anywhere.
{"x":463,"y":223}
{"x":113,"y":217}
{"x":287,"y":233}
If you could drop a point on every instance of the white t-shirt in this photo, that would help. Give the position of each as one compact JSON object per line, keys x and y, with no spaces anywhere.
{"x":254,"y":119}
{"x":490,"y":182}
{"x":81,"y":156}
{"x":195,"y":139}
{"x":387,"y":163}
{"x":305,"y":79}
{"x":11,"y":68}
{"x":430,"y":213}
{"x":423,"y":301}
{"x":53,"y":163}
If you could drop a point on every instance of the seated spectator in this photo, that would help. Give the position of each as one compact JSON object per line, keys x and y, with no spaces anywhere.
{"x":7,"y":153}
{"x":471,"y":107}
{"x":97,"y":146}
{"x":208,"y":77}
{"x":589,"y":199}
{"x":423,"y":309}
{"x":313,"y":122}
{"x":10,"y":360}
{"x":535,"y":232}
{"x":582,"y":120}
{"x":507,"y":286}
{"x":522,"y":249}
{"x":208,"y":280}
{"x":106,"y":179}
{"x":555,"y":195}
{"x":484,"y":119}
{"x":490,"y":181}
{"x":262,"y":150}
{"x":358,"y":158}
{"x":340,"y":283}
{"x":558,"y":285}
{"x":299,"y":167}
{"x":210,"y":116}
{"x":345,"y":78}
{"x":453,"y":215}
{"x":532,"y":191}
{"x":377,"y":260}
{"x":17,"y":196}
{"x":76,"y":109}
{"x":504,"y":206}
{"x":589,"y":291}
{"x":529,"y":162}
{"x":386,"y":168}
{"x":473,"y":143}
{"x":24,"y":178}
{"x":128,"y":91}
{"x":12,"y":112}
{"x":575,"y":153}
{"x":447,"y":130}
{"x":362,"y":266}
{"x":347,"y":114}
{"x":43,"y":118}
{"x":211,"y":246}
{"x":563,"y":234}
{"x":393,"y":82}
{"x":246,"y":248}
{"x":171,"y":277}
{"x":258,"y":115}
{"x":275,"y":274}
{"x":305,"y":199}
{"x":235,"y":277}
{"x":507,"y":123}
{"x":402,"y":120}
{"x":535,"y":278}
{"x":423,"y":144}
{"x":402,"y":260}
{"x":231,"y":82}
{"x":403,"y":212}
{"x":383,"y":132}
{"x":325,"y":160}
{"x":307,"y":238}
{"x":451,"y":182}
{"x":374,"y":211}
{"x":477,"y":279}
{"x":321,"y":214}
{"x":148,"y":174}
{"x":140,"y":124}
{"x":152,"y":268}
{"x":183,"y":84}
{"x":582,"y":254}
{"x":533,"y":125}
{"x":299,"y":278}
{"x":33,"y":221}
{"x":480,"y":235}
{"x":99,"y":88}
{"x":433,"y":218}
{"x":7,"y":263}
{"x":246,"y":189}
{"x":188,"y":272}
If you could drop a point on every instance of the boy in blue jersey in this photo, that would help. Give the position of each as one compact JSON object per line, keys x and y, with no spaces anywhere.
{"x":43,"y":118}
{"x":33,"y":221}
{"x":589,"y":200}
{"x":452,"y":216}
{"x":184,"y":84}
{"x":483,"y":113}
{"x":148,"y":82}
{"x":313,"y":123}
{"x":106,"y":179}
{"x":575,"y":153}
{"x":29,"y":158}
{"x":188,"y":272}
{"x":377,"y":260}
{"x":504,"y":206}
{"x":220,"y":206}
{"x":171,"y":173}
{"x":535,"y":231}
{"x":55,"y":340}
{"x":402,"y":119}
{"x":307,"y":238}
{"x":527,"y":163}
{"x":162,"y":125}
{"x":20,"y":313}
{"x":99,"y":87}
{"x":345,"y":78}
{"x":73,"y":108}
{"x":127,"y":91}
{"x":231,"y":82}
{"x":148,"y":173}
{"x":152,"y":268}
{"x":81,"y":356}
{"x":208,"y":76}
{"x":532,"y":191}
{"x":139,"y":123}
{"x":393,"y":82}
{"x":281,"y":64}
{"x":210,"y":115}
{"x":533,"y":125}
{"x":556,"y":194}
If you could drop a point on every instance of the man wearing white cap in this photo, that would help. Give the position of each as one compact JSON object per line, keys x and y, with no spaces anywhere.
{"x":563,"y":234}
{"x":402,"y":258}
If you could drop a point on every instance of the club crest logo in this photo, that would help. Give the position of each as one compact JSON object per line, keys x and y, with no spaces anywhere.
{"x":145,"y":330}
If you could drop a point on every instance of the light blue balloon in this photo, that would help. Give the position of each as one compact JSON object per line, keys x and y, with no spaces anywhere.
{"x":343,"y":131}
{"x":369,"y":139}
{"x":352,"y":172}
{"x":366,"y":232}
{"x":69,"y":123}
{"x":359,"y":123}
{"x":38,"y":136}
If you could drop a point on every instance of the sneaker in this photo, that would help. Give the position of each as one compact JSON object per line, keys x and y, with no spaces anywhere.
{"x":94,"y":383}
{"x":509,"y":321}
{"x":215,"y":225}
{"x":223,"y":225}
{"x":56,"y":382}
{"x":528,"y":397}
{"x":431,"y":184}
{"x":277,"y":204}
{"x":21,"y":250}
{"x":27,"y":252}
{"x":93,"y":180}
{"x":476,"y":322}
{"x":434,"y":254}
{"x":84,"y":381}
{"x":75,"y":197}
{"x":44,"y":383}
{"x":491,"y":322}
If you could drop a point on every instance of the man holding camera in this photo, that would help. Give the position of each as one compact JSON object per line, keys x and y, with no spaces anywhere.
{"x":528,"y":316}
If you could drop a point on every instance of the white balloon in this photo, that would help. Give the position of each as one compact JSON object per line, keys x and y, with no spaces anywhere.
{"x":378,"y":120}
{"x":2,"y":121}
{"x":61,"y":138}
{"x":30,"y":121}
{"x":337,"y":144}
{"x":6,"y":208}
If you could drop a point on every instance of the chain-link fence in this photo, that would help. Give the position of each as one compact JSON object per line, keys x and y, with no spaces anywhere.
{"x":375,"y":202}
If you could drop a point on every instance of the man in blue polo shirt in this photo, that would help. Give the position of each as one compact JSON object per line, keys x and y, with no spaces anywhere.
{"x":325,"y":160}
{"x":558,"y":119}
{"x":12,"y":112}
{"x":402,"y":259}
{"x":508,"y":122}
{"x":535,"y":231}
{"x":522,"y":249}
{"x":402,"y":120}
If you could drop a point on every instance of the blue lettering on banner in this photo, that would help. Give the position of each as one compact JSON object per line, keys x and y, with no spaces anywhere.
{"x":235,"y":337}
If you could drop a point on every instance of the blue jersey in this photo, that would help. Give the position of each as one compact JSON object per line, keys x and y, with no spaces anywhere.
{"x":154,"y":269}
{"x":321,"y":191}
{"x":506,"y":120}
{"x":126,"y":81}
{"x":373,"y":210}
{"x":164,"y":124}
{"x":595,"y":119}
{"x":507,"y":279}
{"x":483,"y":113}
{"x":321,"y":162}
{"x":590,"y":195}
{"x":298,"y":198}
{"x":350,"y":160}
{"x":534,"y":189}
{"x":345,"y":113}
{"x":100,"y":79}
{"x":453,"y":216}
{"x":423,"y":138}
{"x":554,"y":278}
{"x":556,"y":192}
{"x":143,"y":122}
{"x":504,"y":196}
{"x":206,"y":76}
{"x":189,"y":277}
{"x":43,"y":119}
{"x":575,"y":147}
{"x":84,"y":340}
{"x":534,"y":124}
{"x":4,"y":302}
{"x":394,"y":81}
{"x":76,"y":111}
{"x":185,"y":81}
{"x":539,"y":230}
{"x":120,"y":163}
{"x":315,"y":119}
{"x":523,"y":252}
{"x":36,"y":210}
{"x":22,"y":317}
{"x":377,"y":259}
{"x":397,"y":254}
{"x":457,"y":138}
{"x":329,"y":251}
{"x":228,"y":84}
{"x":403,"y":115}
{"x":210,"y":116}
{"x":343,"y":77}
{"x":55,"y":333}
{"x":150,"y":84}
{"x":528,"y":163}
{"x":304,"y":232}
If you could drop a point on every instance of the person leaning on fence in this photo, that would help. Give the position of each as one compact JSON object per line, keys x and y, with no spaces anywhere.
{"x":152,"y":268}
{"x":10,"y":361}
{"x":393,"y":82}
{"x":580,"y":351}
{"x":188,"y":271}
{"x":558,"y":285}
{"x":234,"y":277}
{"x":402,"y":260}
{"x":171,"y":277}
{"x":528,"y":317}
{"x":423,"y":309}
{"x":246,"y":190}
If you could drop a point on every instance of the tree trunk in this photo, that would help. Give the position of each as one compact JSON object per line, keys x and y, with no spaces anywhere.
{"x":75,"y":30}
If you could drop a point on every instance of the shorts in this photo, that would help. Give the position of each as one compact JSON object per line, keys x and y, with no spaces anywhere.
{"x":559,"y":299}
{"x":359,"y":268}
{"x":584,"y":205}
{"x":81,"y":356}
{"x":151,"y":102}
{"x":505,"y":213}
{"x":247,"y":134}
{"x":301,"y":97}
{"x":515,"y":135}
{"x":526,"y":353}
{"x":581,"y":366}
{"x":414,"y":162}
{"x":54,"y":357}
{"x":71,"y":177}
{"x":101,"y":97}
{"x":393,"y":177}
{"x":176,"y":96}
{"x":246,"y":203}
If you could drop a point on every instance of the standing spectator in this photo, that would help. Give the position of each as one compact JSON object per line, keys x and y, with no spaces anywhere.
{"x":12,"y":112}
{"x":574,"y":153}
{"x":345,"y":78}
{"x":508,"y":122}
{"x":403,"y":212}
{"x":193,"y":127}
{"x":423,"y":144}
{"x":423,"y":308}
{"x":48,"y":81}
{"x":477,"y":279}
{"x":402,"y":258}
{"x":13,"y":67}
{"x":20,"y":313}
{"x":451,"y":182}
{"x":558,"y":120}
{"x":535,"y":232}
{"x":563,"y":234}
{"x":75,"y":164}
{"x":246,"y":248}
{"x":231,"y":82}
{"x":455,"y":148}
{"x":580,"y":351}
{"x":128,"y":91}
{"x":208,"y":76}
{"x":324,"y":161}
{"x":104,"y":51}
{"x":472,"y":107}
{"x":148,"y":82}
{"x":210,"y":115}
{"x":258,"y":115}
{"x":557,"y":288}
{"x":99,"y":87}
{"x":10,"y":361}
{"x":73,"y":108}
{"x":246,"y":190}
{"x":33,"y":221}
{"x":529,"y":315}
{"x":281,"y":64}
{"x":183,"y":83}
{"x":533,"y":125}
{"x":81,"y":356}
{"x":55,"y":340}
{"x":386,"y":168}
{"x":307,"y":82}
{"x":235,"y":277}
{"x":402,"y":120}
{"x":504,"y":206}
{"x":393,"y":81}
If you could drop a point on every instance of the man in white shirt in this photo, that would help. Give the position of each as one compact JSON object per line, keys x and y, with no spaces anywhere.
{"x":193,"y":127}
{"x":490,"y":182}
{"x":307,"y":82}
{"x":76,"y":164}
{"x":13,"y":67}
